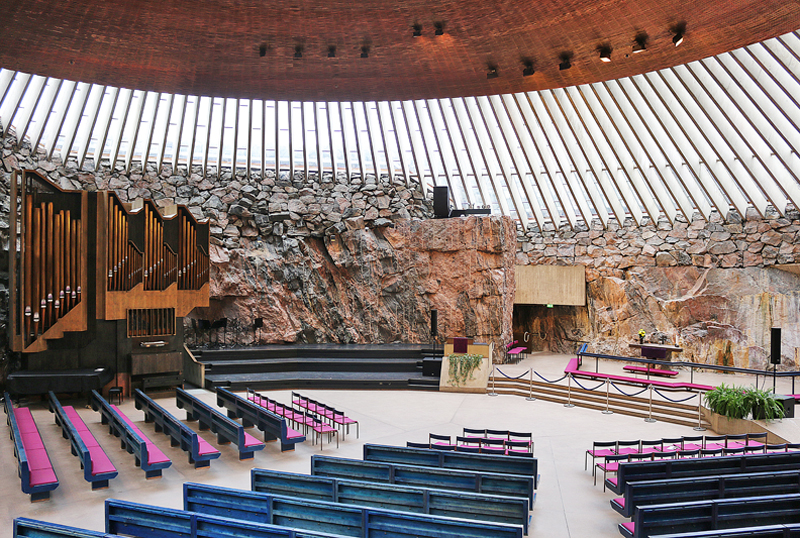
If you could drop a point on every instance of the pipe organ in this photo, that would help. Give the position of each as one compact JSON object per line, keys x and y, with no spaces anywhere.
{"x":86,"y":261}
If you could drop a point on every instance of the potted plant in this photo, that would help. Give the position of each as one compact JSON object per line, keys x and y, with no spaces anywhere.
{"x":739,"y":403}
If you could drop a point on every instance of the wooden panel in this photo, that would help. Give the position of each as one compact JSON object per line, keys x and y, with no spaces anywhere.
{"x":551,"y":284}
{"x":156,"y":363}
{"x":213,"y":47}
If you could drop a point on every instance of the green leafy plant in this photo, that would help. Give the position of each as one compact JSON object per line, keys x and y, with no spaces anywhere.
{"x":462,"y":366}
{"x":738,"y":402}
{"x":763,"y":405}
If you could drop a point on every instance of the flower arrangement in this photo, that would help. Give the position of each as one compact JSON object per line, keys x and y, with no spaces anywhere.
{"x":642,"y":334}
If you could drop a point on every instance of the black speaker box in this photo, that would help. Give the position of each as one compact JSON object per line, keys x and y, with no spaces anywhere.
{"x":775,"y":346}
{"x":441,"y":202}
{"x":434,"y":323}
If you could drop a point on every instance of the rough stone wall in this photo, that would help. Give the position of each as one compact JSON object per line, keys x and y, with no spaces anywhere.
{"x":327,"y":259}
{"x":712,"y":286}
{"x":354,"y":260}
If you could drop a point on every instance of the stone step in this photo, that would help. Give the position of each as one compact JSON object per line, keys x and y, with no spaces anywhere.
{"x":676,"y":413}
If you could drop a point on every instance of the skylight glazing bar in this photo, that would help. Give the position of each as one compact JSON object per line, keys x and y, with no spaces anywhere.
{"x":446,"y":154}
{"x":414,"y":138}
{"x":48,"y":111}
{"x":449,"y":129}
{"x":97,"y":156}
{"x":463,"y":122}
{"x":13,"y":98}
{"x":31,"y":99}
{"x":70,"y":128}
{"x":116,"y":142}
{"x":92,"y":111}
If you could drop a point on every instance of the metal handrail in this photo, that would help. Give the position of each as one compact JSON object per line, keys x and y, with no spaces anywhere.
{"x":691,"y":365}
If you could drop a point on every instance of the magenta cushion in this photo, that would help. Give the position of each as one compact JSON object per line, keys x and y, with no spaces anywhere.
{"x":100,"y":462}
{"x":38,"y":459}
{"x":43,"y":476}
{"x":204,"y":447}
{"x":249,"y":440}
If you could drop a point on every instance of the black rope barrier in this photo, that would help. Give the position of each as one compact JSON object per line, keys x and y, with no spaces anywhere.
{"x":547,"y":380}
{"x":625,"y":393}
{"x":674,"y":401}
{"x":520,"y":376}
{"x":584,"y":388}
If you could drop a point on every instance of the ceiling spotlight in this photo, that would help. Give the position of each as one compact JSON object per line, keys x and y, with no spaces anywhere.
{"x":565,"y":61}
{"x":365,"y":52}
{"x":679,"y":30}
{"x":439,"y":28}
{"x":528,"y":70}
{"x":262,"y":50}
{"x":332,"y":51}
{"x":417,"y":30}
{"x":639,"y":43}
{"x":605,"y":53}
{"x":492,"y":72}
{"x":298,"y":51}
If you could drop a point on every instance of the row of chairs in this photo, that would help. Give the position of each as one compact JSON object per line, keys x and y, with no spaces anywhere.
{"x":334,"y":417}
{"x":507,"y":435}
{"x":308,"y":421}
{"x":601,"y":449}
{"x":516,"y":444}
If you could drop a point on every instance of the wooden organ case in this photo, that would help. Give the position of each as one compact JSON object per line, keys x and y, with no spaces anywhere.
{"x":96,"y":282}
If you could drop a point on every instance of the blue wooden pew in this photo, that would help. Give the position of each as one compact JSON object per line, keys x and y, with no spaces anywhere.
{"x":36,"y":472}
{"x":200,"y":451}
{"x":700,"y":488}
{"x":274,"y":427}
{"x":765,"y":531}
{"x":97,"y":468}
{"x":657,"y":519}
{"x":32,"y":528}
{"x":689,"y":467}
{"x":227,"y":430}
{"x":329,"y":517}
{"x":147,"y":455}
{"x":144,"y":521}
{"x":453,"y":460}
{"x":430,"y":477}
{"x":437,"y":502}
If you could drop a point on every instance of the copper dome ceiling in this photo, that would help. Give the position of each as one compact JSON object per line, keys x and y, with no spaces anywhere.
{"x":280,"y":49}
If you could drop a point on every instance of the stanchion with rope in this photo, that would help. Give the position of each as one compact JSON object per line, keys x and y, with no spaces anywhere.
{"x":699,"y":427}
{"x":493,"y":393}
{"x":650,"y":415}
{"x":530,"y":397}
{"x":569,"y":392}
{"x":608,"y":390}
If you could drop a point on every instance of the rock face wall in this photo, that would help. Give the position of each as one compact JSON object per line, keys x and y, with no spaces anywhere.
{"x":369,"y":285}
{"x":713,"y":286}
{"x":338,"y":259}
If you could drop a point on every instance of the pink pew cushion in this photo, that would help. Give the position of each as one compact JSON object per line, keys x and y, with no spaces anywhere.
{"x":630,"y":525}
{"x":292,"y":434}
{"x":620,"y":501}
{"x":204,"y":447}
{"x":154,"y":454}
{"x":249,"y":440}
{"x":38,"y":459}
{"x":100,"y":462}
{"x":75,"y":418}
{"x":43,"y":476}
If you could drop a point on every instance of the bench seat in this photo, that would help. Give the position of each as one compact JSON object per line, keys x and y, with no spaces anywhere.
{"x":101,"y":464}
{"x":154,"y":454}
{"x":200,"y":451}
{"x":649,"y":371}
{"x":37,"y":476}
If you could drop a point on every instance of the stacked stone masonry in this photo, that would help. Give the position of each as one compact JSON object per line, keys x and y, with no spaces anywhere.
{"x":335,"y":259}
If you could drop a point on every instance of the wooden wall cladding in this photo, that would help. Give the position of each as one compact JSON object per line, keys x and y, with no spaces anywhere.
{"x":248,"y":48}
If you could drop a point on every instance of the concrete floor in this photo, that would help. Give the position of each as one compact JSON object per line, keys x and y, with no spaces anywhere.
{"x":567,"y":504}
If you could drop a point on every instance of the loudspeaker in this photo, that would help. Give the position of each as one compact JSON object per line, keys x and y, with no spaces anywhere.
{"x":259,"y":323}
{"x":441,"y":202}
{"x":434,"y":323}
{"x":775,"y":346}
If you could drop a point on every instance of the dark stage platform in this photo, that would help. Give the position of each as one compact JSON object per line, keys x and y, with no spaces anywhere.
{"x":322,"y":366}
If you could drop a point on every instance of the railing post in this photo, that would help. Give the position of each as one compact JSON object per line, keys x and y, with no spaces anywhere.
{"x":650,"y":415}
{"x":530,"y":397}
{"x":699,"y":427}
{"x":608,"y":390}
{"x":569,"y":392}
{"x":493,"y":393}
